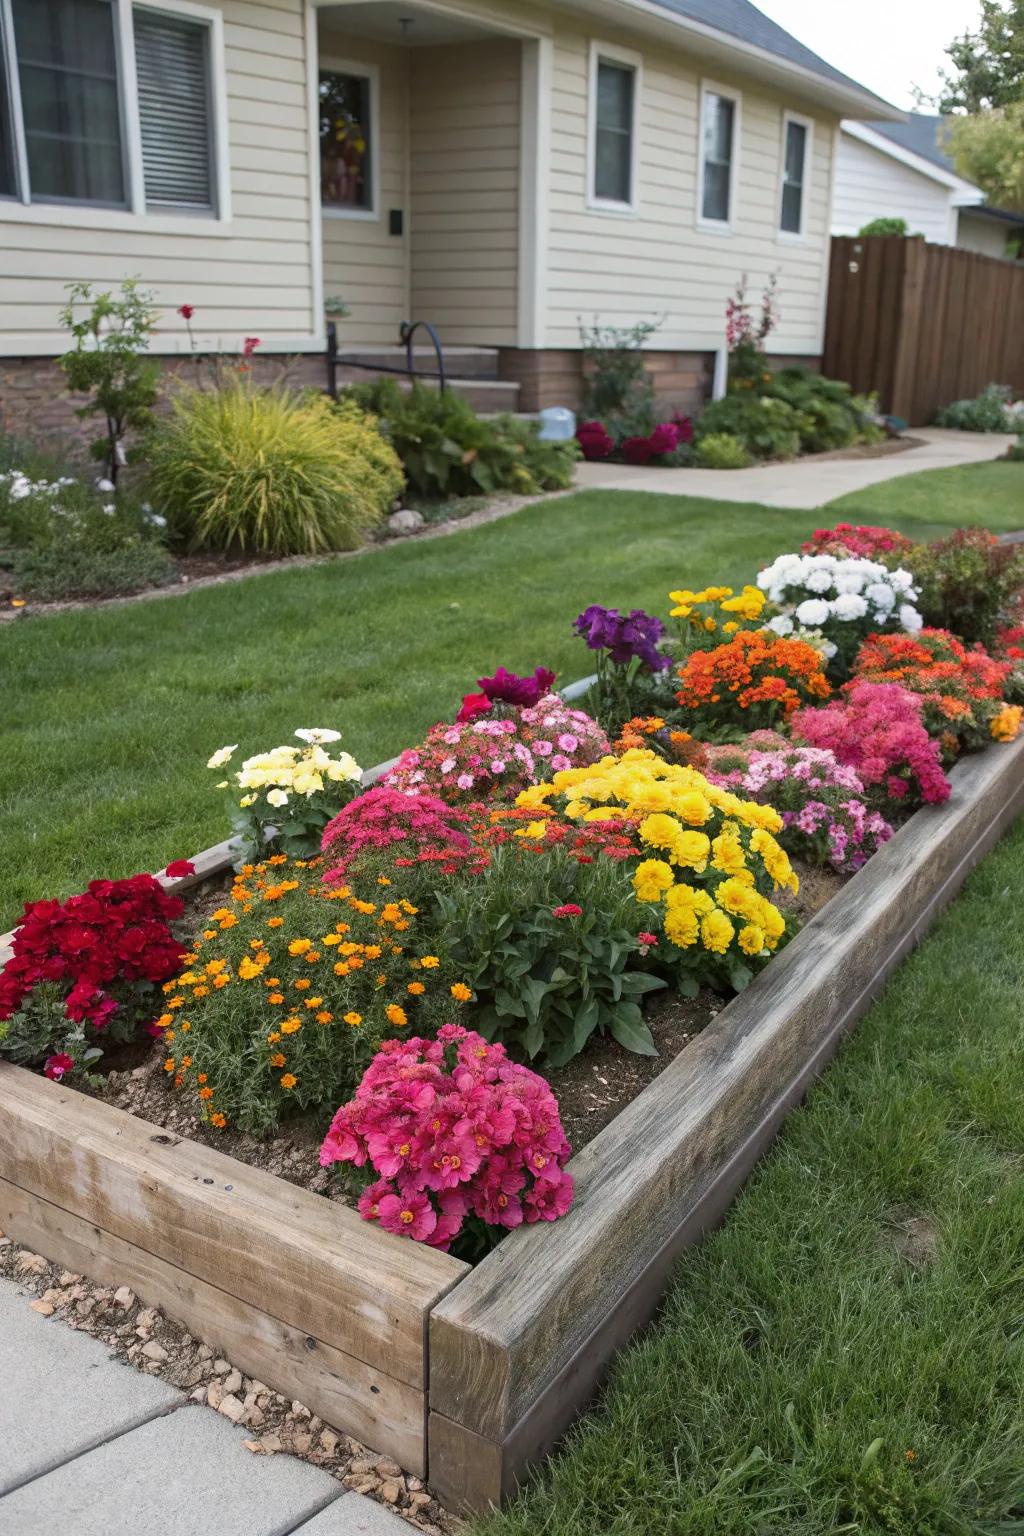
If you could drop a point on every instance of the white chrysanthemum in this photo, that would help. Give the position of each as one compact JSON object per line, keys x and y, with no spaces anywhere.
{"x":781,"y":625}
{"x":812,"y":612}
{"x":848,"y":606}
{"x":221,"y":756}
{"x":902,"y":580}
{"x":819,"y":581}
{"x":849,"y":581}
{"x":318,"y":737}
{"x":910,"y":618}
{"x":881,"y":595}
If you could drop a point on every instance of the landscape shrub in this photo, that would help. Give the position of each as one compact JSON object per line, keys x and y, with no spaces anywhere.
{"x":548,"y":936}
{"x":710,"y":862}
{"x":885,"y":225}
{"x":829,"y":415}
{"x":962,"y":690}
{"x":753,"y":681}
{"x":987,"y":412}
{"x":109,"y":363}
{"x":617,"y":390}
{"x":840,"y":598}
{"x":447,"y":449}
{"x":478,"y":1139}
{"x":417,"y":833}
{"x":291,"y":987}
{"x":967,"y":582}
{"x":876,"y":729}
{"x":289,"y":794}
{"x":54,"y":575}
{"x":766,"y":427}
{"x":269,"y":472}
{"x":721,"y":450}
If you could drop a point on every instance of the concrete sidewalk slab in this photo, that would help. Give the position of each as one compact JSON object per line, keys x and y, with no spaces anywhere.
{"x":355,"y":1515}
{"x":61,"y":1393}
{"x":804,"y":483}
{"x":186,"y":1474}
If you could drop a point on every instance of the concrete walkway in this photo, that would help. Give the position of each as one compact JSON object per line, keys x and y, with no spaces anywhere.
{"x":90,"y":1447}
{"x":805,"y":483}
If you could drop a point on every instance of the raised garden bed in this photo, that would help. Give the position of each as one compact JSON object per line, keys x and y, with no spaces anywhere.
{"x":467,"y":1375}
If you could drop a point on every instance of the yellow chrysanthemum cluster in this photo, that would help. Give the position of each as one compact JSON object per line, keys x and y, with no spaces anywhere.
{"x":703,"y":611}
{"x":712,"y":855}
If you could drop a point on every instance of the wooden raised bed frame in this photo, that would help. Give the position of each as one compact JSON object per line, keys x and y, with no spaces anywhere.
{"x":466,"y":1376}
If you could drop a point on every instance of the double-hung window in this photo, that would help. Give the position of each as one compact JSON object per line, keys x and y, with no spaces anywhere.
{"x":796,"y":159}
{"x":719,"y":141}
{"x":108,"y":104}
{"x":612,"y":156}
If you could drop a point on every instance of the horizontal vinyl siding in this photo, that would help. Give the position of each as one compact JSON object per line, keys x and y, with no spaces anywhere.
{"x":254,"y":280}
{"x":872,"y":185}
{"x":655,"y":263}
{"x":363,"y":264}
{"x":464,"y":135}
{"x":986,"y":236}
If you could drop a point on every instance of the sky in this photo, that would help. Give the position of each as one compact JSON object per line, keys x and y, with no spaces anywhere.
{"x":887,"y":45}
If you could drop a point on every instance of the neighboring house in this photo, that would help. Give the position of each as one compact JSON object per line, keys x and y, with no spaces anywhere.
{"x":902,"y":170}
{"x":501,"y":168}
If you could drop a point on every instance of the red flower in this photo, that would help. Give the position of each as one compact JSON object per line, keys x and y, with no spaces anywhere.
{"x":473,"y":704}
{"x":647,"y":938}
{"x":57,"y":1066}
{"x":186,"y":311}
{"x":249,"y":345}
{"x":179,"y":868}
{"x":594,"y":439}
{"x":569,"y":910}
{"x":638,"y":450}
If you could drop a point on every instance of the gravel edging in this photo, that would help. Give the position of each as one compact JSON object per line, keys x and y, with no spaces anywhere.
{"x":144,"y":1338}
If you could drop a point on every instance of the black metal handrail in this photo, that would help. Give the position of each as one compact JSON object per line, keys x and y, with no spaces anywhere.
{"x":407,"y":331}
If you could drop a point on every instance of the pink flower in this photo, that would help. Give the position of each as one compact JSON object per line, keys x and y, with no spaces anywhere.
{"x":465,"y":781}
{"x":58,"y":1066}
{"x":407,"y":1216}
{"x":178,"y":869}
{"x":498,"y":765}
{"x":560,"y":762}
{"x":570,"y":909}
{"x":249,"y":345}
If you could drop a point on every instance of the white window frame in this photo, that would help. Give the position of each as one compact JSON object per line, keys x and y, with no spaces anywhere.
{"x":330,"y":65}
{"x":21,"y":210}
{"x":798,"y":236}
{"x":730,"y":92}
{"x":626,"y":58}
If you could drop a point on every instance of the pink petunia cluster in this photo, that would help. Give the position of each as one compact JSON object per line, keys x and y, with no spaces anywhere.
{"x":453,"y":1128}
{"x":876,"y":729}
{"x":417,"y":825}
{"x":477,"y":759}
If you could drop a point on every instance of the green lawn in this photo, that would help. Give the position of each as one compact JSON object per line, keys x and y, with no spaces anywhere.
{"x":847,"y":1353}
{"x":989,"y":494}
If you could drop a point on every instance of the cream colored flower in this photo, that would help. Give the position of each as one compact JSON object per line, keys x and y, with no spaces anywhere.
{"x":277,"y":797}
{"x":221,"y":756}
{"x":316,"y":737}
{"x":246,"y":801}
{"x":343,"y":767}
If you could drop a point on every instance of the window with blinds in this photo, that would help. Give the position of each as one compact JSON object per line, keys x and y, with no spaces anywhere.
{"x":172,"y":64}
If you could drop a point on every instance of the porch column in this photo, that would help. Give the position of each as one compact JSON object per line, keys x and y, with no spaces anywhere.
{"x":534,"y":165}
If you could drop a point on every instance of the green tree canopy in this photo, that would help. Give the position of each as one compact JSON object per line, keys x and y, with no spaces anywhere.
{"x":988,"y":149}
{"x":988,"y":65}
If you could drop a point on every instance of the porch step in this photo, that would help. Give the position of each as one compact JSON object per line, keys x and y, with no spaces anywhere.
{"x":461,"y":362}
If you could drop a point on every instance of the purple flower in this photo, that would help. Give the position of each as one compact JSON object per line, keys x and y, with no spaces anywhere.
{"x":624,"y":636}
{"x":509,"y":688}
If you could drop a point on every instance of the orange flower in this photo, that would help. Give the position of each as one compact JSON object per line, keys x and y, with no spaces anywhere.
{"x":396,"y":1015}
{"x":302,"y":983}
{"x":353,"y":1019}
{"x":288,"y":1081}
{"x":218,"y":1120}
{"x":461,"y":992}
{"x":416,"y":988}
{"x":206,"y":1093}
{"x":169,"y":1064}
{"x":274,"y":922}
{"x":201,"y":1078}
{"x":275,"y":998}
{"x":277,"y":1060}
{"x":314,"y":1002}
{"x":323,"y":1017}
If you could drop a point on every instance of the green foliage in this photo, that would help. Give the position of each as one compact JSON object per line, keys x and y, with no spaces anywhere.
{"x":829,"y":416}
{"x":270,"y":471}
{"x":617,"y":389}
{"x":883,"y":226}
{"x":767,"y":428}
{"x":446,"y":449}
{"x":545,"y":984}
{"x":54,"y":574}
{"x":988,"y":65}
{"x":107,"y":363}
{"x":986,"y":413}
{"x":1015,"y":452}
{"x":967,"y":582}
{"x":988,"y":149}
{"x":721,"y":450}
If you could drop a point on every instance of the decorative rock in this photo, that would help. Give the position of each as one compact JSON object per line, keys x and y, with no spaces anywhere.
{"x":123,"y":1297}
{"x":391,"y":1492}
{"x":214,"y":1393}
{"x":361,"y":1464}
{"x":301,"y":1444}
{"x":31,"y":1263}
{"x":221,"y":1366}
{"x":271,"y":1444}
{"x":44,"y":1308}
{"x":205,"y":1352}
{"x":405,"y":521}
{"x":232,"y":1382}
{"x":385,"y":1467}
{"x":328,"y":1442}
{"x":231,"y":1408}
{"x":300,"y":1411}
{"x":255,"y":1417}
{"x":155,"y":1351}
{"x":67,"y":1278}
{"x":364,"y":1484}
{"x":418,"y":1500}
{"x":199,"y":1395}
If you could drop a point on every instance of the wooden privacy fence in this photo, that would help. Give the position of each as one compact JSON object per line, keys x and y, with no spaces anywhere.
{"x":922,"y":324}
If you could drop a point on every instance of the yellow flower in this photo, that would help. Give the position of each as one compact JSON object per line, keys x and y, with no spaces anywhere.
{"x":291,"y":1026}
{"x":249,"y":968}
{"x":1005,"y":725}
{"x":461,"y":992}
{"x":353,"y":1019}
{"x":396,"y":1015}
{"x":693,"y":808}
{"x":751,"y":938}
{"x":299,"y":946}
{"x":660,"y":831}
{"x":535,"y":830}
{"x":651,"y":878}
{"x":693,"y":850}
{"x":716,"y":932}
{"x":735,"y":895}
{"x":429,"y":962}
{"x":682,"y":927}
{"x":416,"y":988}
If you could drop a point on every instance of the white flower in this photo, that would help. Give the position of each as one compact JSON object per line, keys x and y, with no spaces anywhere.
{"x":104,"y":487}
{"x":849,"y":605}
{"x":827,"y":649}
{"x":819,"y":581}
{"x":276,"y":797}
{"x":902,"y":580}
{"x":221,"y":756}
{"x":880,"y":594}
{"x":910,"y":618}
{"x":849,"y":581}
{"x":781,"y":625}
{"x":156,"y":520}
{"x":813,"y":612}
{"x":318,"y":737}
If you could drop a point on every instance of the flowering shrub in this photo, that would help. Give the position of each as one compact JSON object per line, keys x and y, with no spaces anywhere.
{"x":86,"y":967}
{"x":821,"y":801}
{"x":595,"y":441}
{"x":967,"y":582}
{"x":290,"y":794}
{"x":506,"y":688}
{"x":876,"y":729}
{"x":411,"y":831}
{"x":486,"y":757}
{"x":962,"y":689}
{"x":713,"y":612}
{"x":709,"y":860}
{"x":290,"y":989}
{"x":844,"y":598}
{"x":754,"y":679}
{"x":455,"y":1130}
{"x":865,"y":541}
{"x":548,"y":937}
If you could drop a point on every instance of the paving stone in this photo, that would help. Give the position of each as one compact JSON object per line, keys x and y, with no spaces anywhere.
{"x":354,"y":1515}
{"x":185,"y":1474}
{"x":60,"y":1392}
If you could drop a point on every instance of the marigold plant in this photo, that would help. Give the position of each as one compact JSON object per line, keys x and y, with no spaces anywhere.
{"x":290,"y":988}
{"x":709,"y":861}
{"x":756,"y":679}
{"x":714,"y":613}
{"x":962,"y":689}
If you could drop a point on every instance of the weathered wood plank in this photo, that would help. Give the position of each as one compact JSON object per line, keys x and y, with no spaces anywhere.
{"x":518,"y":1345}
{"x":315,"y":1266}
{"x":369,"y":1404}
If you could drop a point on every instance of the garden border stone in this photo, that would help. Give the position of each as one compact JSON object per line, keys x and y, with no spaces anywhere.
{"x":470,"y":1375}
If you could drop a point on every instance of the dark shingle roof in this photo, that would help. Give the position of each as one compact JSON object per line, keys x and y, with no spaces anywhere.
{"x":921,"y":134}
{"x":740,"y":19}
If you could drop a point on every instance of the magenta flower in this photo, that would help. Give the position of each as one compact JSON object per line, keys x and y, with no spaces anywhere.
{"x":58,"y":1066}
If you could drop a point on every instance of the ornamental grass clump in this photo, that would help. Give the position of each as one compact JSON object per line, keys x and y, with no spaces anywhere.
{"x":460,"y":1136}
{"x":288,"y":794}
{"x":962,"y":690}
{"x":708,"y":867}
{"x":876,"y":729}
{"x":270,"y":472}
{"x":290,"y":989}
{"x":754,"y":681}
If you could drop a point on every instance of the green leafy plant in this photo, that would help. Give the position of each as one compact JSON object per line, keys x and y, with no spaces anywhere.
{"x":987,"y":412}
{"x":721,"y":450}
{"x":966,"y":582}
{"x":617,"y":389}
{"x":549,"y":946}
{"x":746,"y":337}
{"x":270,"y":471}
{"x":107,"y":363}
{"x":883,"y":226}
{"x":829,"y":415}
{"x":767,"y":428}
{"x":447,"y":449}
{"x":54,"y":575}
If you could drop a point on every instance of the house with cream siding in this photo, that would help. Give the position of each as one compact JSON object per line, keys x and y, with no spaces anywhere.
{"x":503,"y":169}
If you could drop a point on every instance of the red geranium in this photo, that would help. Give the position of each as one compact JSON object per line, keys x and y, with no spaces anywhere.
{"x":186,"y":311}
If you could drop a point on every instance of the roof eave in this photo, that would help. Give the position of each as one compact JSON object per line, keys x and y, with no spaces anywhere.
{"x":726,"y":51}
{"x":886,"y":146}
